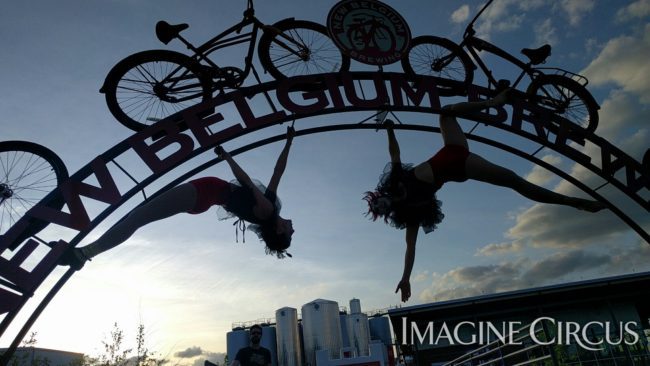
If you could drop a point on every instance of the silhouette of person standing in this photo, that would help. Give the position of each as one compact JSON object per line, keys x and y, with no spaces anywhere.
{"x":253,"y":355}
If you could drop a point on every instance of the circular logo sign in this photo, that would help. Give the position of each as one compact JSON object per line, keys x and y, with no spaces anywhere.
{"x":368,"y":31}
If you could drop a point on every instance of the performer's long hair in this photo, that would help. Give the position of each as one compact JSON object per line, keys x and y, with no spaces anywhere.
{"x":401,"y":213}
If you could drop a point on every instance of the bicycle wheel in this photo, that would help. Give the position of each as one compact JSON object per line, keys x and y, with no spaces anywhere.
{"x":152,"y":85}
{"x":312,"y":50}
{"x":439,"y":57}
{"x":28,"y":173}
{"x":567,"y":98}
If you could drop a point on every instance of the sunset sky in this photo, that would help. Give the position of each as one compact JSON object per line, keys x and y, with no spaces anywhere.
{"x":187,"y":280}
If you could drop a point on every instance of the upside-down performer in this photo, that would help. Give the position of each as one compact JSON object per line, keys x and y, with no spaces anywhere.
{"x":405,"y":196}
{"x":251,"y":202}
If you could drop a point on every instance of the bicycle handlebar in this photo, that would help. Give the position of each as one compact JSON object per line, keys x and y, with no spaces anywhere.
{"x":470,"y":27}
{"x":249,"y":12}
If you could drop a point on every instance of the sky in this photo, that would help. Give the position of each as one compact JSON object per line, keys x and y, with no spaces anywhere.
{"x":187,"y":281}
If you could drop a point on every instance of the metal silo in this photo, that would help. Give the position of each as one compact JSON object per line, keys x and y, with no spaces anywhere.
{"x":355,"y":306}
{"x":358,"y":329}
{"x":236,"y":340}
{"x":345,"y":337}
{"x":321,"y":329}
{"x":380,"y":330}
{"x":287,"y":337}
{"x":268,"y":341}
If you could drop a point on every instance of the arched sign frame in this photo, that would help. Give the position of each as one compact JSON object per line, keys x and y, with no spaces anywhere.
{"x":298,"y":98}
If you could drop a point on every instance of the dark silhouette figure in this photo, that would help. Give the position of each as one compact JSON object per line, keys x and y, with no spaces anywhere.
{"x":405,"y":196}
{"x":245,"y":199}
{"x":253,"y":355}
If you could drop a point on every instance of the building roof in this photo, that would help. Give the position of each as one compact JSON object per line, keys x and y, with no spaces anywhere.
{"x":635,"y":284}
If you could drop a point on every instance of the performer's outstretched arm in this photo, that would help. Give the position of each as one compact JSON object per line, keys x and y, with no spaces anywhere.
{"x":239,"y":173}
{"x":263,"y":207}
{"x":393,"y":145}
{"x":281,"y":164}
{"x":409,"y":258}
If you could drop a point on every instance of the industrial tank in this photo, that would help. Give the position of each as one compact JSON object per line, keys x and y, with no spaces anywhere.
{"x":287,"y":337}
{"x":321,"y":329}
{"x":355,"y":306}
{"x":380,"y":330}
{"x":358,"y":329}
{"x":345,"y":338}
{"x":236,"y":340}
{"x":269,"y":341}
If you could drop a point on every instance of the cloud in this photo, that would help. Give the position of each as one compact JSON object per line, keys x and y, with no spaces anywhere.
{"x":637,"y":9}
{"x":623,"y":62}
{"x":500,"y":248}
{"x":214,"y":357}
{"x":422,"y":276}
{"x":541,"y":176}
{"x":498,"y":17}
{"x":189,"y":353}
{"x":505,"y":24}
{"x":635,"y":259}
{"x":623,"y":122}
{"x":526,"y":5}
{"x":545,"y":32}
{"x":474,"y":280}
{"x":576,"y":9}
{"x":620,"y":115}
{"x":505,"y":15}
{"x":484,"y":273}
{"x":561,"y":264}
{"x":460,"y":15}
{"x":555,"y":226}
{"x":526,"y":273}
{"x":591,"y":45}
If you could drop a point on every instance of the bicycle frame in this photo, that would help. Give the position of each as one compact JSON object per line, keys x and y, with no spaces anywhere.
{"x":151,"y":85}
{"x":560,"y":91}
{"x":223,"y":41}
{"x":218,"y":42}
{"x":474,"y":44}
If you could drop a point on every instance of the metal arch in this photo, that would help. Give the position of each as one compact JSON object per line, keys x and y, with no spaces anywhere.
{"x":342,"y":127}
{"x":172,"y":122}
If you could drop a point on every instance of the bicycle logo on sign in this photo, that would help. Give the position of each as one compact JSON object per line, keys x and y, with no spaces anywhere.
{"x":369,"y":31}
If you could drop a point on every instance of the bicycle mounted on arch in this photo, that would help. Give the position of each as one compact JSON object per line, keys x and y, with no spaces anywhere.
{"x":28,"y":173}
{"x":561,"y":91}
{"x":151,"y":85}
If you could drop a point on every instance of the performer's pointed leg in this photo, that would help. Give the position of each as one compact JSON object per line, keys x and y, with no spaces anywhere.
{"x":478,"y":168}
{"x":177,"y":200}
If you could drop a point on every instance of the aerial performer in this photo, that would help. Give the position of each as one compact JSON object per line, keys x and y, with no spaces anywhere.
{"x":405,"y":196}
{"x":244,"y":198}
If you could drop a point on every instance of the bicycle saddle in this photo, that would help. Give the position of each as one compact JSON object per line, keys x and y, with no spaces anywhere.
{"x":537,"y":55}
{"x":166,"y":32}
